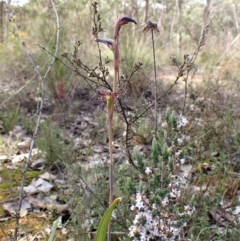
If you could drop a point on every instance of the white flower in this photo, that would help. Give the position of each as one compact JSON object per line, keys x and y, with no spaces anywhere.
{"x":133,"y":208}
{"x":180,"y":140}
{"x":189,"y":210}
{"x":154,"y":206}
{"x":139,"y":196}
{"x":148,"y":171}
{"x":139,"y":205}
{"x":237,"y":210}
{"x":182,"y":160}
{"x":165,"y":201}
{"x":178,"y":153}
{"x":165,"y":225}
{"x":133,"y":230}
{"x":174,"y":193}
{"x":182,"y":121}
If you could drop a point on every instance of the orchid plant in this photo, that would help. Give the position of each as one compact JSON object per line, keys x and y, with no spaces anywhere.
{"x":96,"y":76}
{"x":110,"y":97}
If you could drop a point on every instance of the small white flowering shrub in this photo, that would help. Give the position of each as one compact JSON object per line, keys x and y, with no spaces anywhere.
{"x":160,"y":211}
{"x":158,"y":221}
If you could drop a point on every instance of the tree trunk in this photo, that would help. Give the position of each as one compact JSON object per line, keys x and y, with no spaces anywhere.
{"x":179,"y":32}
{"x":206,"y":14}
{"x":146,"y":11}
{"x":1,"y":22}
{"x":233,"y":5}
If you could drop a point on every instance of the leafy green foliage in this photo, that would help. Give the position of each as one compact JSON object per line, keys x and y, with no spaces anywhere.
{"x":103,"y":225}
{"x":139,"y":160}
{"x":54,"y":229}
{"x":51,"y":142}
{"x":8,"y":119}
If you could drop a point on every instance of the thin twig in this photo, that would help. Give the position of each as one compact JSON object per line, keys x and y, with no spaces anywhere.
{"x":150,"y":26}
{"x":75,"y":70}
{"x":4,"y":233}
{"x":96,"y":30}
{"x":39,"y":110}
{"x":56,"y":58}
{"x":185,"y":92}
{"x":18,"y":91}
{"x":155,"y":85}
{"x":158,"y":99}
{"x":187,"y":65}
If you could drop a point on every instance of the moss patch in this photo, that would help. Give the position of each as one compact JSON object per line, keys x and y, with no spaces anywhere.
{"x":31,"y":224}
{"x":11,"y":180}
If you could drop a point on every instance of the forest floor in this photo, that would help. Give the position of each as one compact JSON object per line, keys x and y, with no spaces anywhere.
{"x":79,"y":123}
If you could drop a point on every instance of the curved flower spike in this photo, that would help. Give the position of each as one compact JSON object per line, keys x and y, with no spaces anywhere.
{"x":121,"y":21}
{"x":108,"y":42}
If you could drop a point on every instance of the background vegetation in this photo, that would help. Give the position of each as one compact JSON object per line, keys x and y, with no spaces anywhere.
{"x":73,"y":133}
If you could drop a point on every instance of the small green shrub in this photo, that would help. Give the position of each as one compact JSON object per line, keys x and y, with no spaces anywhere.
{"x":52,"y":143}
{"x":8,"y":119}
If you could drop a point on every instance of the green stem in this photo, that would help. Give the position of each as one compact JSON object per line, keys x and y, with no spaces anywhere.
{"x":110,"y":129}
{"x":111,"y":162}
{"x":110,"y":103}
{"x":110,"y":171}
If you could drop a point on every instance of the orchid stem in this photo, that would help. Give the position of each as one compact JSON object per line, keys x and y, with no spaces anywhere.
{"x":110,"y":137}
{"x":110,"y":134}
{"x":115,"y":81}
{"x":110,"y":106}
{"x":121,"y":21}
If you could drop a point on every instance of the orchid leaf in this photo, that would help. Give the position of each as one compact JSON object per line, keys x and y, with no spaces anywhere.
{"x":103,"y":226}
